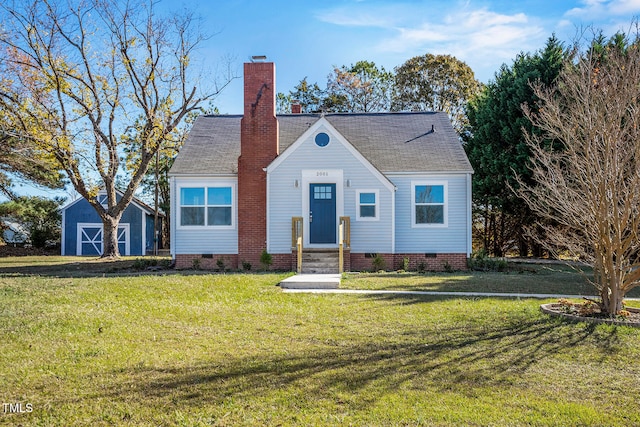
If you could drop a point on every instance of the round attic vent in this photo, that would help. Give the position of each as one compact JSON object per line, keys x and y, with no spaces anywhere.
{"x":322,"y":139}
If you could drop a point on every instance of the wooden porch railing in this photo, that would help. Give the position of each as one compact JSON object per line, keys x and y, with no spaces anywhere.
{"x":346,"y":222}
{"x":296,"y":240}
{"x":344,"y":240}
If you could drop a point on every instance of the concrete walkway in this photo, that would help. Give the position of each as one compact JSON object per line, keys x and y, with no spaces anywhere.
{"x":439,"y":293}
{"x":329,"y":283}
{"x":312,"y":282}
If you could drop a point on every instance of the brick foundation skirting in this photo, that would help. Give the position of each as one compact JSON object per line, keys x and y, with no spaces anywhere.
{"x":352,"y":262}
{"x":206,"y":261}
{"x":426,"y":262}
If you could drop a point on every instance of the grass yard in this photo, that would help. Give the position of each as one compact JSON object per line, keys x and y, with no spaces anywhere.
{"x":205,"y":349}
{"x":524,"y":278}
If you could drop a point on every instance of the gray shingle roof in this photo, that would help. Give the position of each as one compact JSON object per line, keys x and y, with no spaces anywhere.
{"x":392,"y":142}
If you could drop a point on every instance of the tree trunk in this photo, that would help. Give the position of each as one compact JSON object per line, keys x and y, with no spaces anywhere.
{"x":523,"y":245}
{"x":610,"y":283}
{"x":486,"y":228}
{"x":110,"y":237}
{"x":537,"y":250}
{"x":165,"y":235}
{"x":611,"y":301}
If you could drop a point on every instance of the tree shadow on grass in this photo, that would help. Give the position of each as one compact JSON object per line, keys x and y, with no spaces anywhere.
{"x":460,"y":359}
{"x":545,"y":281}
{"x":83,"y":268}
{"x":99,"y":268}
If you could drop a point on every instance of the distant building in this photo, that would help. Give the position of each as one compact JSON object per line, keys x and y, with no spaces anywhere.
{"x":13,"y":232}
{"x":82,"y":228}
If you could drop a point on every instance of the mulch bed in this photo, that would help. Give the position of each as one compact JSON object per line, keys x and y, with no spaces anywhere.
{"x":572,"y":313}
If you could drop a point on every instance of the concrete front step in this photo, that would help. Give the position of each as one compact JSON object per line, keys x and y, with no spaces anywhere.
{"x":312,"y":281}
{"x":319,"y":261}
{"x":307,"y":270}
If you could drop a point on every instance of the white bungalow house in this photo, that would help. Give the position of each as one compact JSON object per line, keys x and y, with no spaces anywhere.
{"x":400,"y":183}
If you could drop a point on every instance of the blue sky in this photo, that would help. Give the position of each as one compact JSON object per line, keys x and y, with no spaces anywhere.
{"x":307,"y":38}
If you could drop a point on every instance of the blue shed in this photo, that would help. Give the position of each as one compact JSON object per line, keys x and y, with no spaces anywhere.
{"x":82,"y":228}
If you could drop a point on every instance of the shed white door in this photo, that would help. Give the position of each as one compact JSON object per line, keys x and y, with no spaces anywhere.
{"x":89,"y":241}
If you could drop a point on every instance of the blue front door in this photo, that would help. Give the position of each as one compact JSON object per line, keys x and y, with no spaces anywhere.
{"x":322,"y":213}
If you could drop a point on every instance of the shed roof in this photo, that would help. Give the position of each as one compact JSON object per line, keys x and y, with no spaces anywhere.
{"x":135,"y":202}
{"x":392,"y":142}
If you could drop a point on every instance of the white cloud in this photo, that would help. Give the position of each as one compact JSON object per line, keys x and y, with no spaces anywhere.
{"x":364,"y":15}
{"x":597,"y":9}
{"x":481,"y":38}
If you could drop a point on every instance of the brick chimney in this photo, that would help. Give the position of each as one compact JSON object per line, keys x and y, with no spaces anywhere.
{"x":258,"y":148}
{"x":296,"y":108}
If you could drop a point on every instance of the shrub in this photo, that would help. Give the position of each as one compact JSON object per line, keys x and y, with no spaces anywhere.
{"x":378,"y":263}
{"x":39,"y":237}
{"x":246,"y":265}
{"x":144,"y":263}
{"x":447,"y":267}
{"x":481,"y":261}
{"x":220,"y":264}
{"x":422,"y":267}
{"x":266,"y":259}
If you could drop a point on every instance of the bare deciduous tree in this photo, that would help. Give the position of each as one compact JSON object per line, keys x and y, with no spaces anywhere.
{"x":86,"y":79}
{"x":588,"y":183}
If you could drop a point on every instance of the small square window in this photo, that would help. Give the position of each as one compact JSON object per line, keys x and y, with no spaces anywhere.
{"x":367,"y":205}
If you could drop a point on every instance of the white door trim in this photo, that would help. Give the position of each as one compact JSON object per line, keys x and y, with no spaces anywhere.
{"x":98,"y":244}
{"x":321,"y":176}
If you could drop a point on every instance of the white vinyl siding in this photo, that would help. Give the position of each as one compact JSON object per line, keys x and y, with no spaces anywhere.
{"x":285,"y":200}
{"x":219,"y":236}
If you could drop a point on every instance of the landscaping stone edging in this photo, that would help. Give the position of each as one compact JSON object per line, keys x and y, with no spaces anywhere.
{"x":552,"y":309}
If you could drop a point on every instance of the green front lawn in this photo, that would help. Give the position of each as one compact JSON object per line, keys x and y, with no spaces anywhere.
{"x":521,"y":278}
{"x":200,"y":350}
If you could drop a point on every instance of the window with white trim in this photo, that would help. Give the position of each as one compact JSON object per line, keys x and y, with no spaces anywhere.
{"x":103,"y":200}
{"x":206,"y":206}
{"x":367,"y":206}
{"x":429,"y":204}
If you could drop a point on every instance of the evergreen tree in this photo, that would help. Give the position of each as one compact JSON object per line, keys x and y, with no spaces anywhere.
{"x":498,"y":151}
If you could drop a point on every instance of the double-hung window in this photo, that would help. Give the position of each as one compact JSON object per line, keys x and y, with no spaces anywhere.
{"x":206,"y":206}
{"x":367,"y":208}
{"x":429,"y":204}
